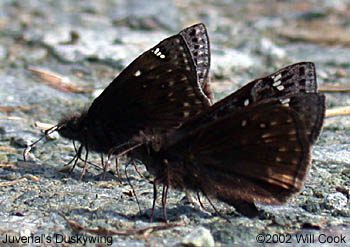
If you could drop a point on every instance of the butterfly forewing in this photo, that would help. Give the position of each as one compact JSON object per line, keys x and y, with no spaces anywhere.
{"x":158,"y":91}
{"x":168,"y":98}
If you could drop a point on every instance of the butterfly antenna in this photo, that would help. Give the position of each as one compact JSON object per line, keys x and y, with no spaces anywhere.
{"x":132,"y":188}
{"x":46,"y":133}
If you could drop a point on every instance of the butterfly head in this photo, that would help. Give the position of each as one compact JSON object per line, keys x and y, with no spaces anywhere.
{"x":74,"y":127}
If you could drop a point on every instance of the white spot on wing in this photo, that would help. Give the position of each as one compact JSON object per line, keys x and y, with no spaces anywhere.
{"x":246,"y":102}
{"x":280,"y":88}
{"x":276,"y":83}
{"x":285,"y":101}
{"x":137,"y":73}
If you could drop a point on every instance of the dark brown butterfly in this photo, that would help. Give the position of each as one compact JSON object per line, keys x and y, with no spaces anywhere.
{"x":252,"y":146}
{"x":156,"y":93}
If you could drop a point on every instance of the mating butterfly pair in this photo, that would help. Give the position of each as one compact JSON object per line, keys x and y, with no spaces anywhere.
{"x":252,"y":146}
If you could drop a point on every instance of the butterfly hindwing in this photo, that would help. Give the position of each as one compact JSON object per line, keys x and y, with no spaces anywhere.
{"x":247,"y":155}
{"x":311,"y":109}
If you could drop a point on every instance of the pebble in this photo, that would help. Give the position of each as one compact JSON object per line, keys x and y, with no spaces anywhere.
{"x":200,"y":237}
{"x":336,"y":201}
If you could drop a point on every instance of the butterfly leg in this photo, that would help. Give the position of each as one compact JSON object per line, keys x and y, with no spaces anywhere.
{"x":103,"y":167}
{"x":155,"y":194}
{"x":213,"y":206}
{"x":191,"y":199}
{"x":164,"y":197}
{"x":76,"y":157}
{"x":133,"y":190}
{"x":200,"y":202}
{"x":117,"y":168}
{"x":85,"y":164}
{"x":137,"y":171}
